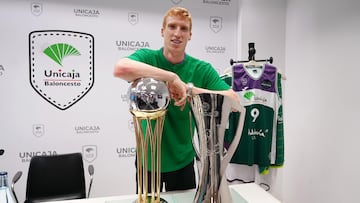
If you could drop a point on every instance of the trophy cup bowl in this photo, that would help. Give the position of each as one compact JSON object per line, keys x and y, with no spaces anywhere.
{"x":149,"y":99}
{"x":211,"y":114}
{"x":148,"y":95}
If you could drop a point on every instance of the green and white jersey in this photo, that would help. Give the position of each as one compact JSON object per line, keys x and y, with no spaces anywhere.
{"x":262,"y":140}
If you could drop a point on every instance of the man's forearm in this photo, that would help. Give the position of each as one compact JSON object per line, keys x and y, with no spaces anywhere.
{"x":131,"y":70}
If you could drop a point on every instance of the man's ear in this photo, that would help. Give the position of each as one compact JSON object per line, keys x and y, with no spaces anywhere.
{"x":162,"y":32}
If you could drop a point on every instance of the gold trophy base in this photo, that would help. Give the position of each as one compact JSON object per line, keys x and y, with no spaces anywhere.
{"x":161,"y":200}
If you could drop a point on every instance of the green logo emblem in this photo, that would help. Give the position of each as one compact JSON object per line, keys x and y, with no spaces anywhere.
{"x":249,"y":95}
{"x":58,"y":51}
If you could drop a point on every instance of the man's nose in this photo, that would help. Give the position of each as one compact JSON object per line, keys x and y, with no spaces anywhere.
{"x":177,"y":31}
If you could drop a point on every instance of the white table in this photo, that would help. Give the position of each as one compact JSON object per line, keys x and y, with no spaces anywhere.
{"x":253,"y":193}
{"x":249,"y":193}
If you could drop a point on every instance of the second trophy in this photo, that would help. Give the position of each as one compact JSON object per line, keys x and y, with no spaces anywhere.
{"x":211,"y":113}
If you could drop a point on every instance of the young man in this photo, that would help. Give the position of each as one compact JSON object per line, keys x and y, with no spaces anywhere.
{"x":172,"y":65}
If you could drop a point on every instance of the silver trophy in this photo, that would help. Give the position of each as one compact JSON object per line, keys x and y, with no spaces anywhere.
{"x":211,"y":113}
{"x":149,"y":99}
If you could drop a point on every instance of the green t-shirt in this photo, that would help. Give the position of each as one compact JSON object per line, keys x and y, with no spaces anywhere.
{"x":177,"y":150}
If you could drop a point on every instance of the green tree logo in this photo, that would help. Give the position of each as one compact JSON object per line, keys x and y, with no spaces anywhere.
{"x":58,"y":51}
{"x":249,"y":95}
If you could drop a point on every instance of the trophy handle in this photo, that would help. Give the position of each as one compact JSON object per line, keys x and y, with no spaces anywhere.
{"x":196,"y":102}
{"x":234,"y":106}
{"x":197,"y":153}
{"x":199,"y":147}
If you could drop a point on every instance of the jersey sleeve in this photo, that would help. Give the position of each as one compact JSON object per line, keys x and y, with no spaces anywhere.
{"x":279,"y":157}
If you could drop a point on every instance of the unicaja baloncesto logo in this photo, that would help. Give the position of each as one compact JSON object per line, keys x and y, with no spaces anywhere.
{"x":133,"y":18}
{"x":61,"y":65}
{"x":215,"y":23}
{"x":36,"y":8}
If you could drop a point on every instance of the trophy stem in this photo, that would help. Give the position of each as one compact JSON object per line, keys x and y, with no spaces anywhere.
{"x":159,"y":130}
{"x":149,"y":127}
{"x":152,"y":155}
{"x":137,"y":127}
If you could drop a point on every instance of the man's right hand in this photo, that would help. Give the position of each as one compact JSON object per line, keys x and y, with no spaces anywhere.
{"x":177,"y":89}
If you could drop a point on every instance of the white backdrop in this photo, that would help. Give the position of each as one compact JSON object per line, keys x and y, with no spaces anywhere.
{"x":322,"y":37}
{"x":97,"y":123}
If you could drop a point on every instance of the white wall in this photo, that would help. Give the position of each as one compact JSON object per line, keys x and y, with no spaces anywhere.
{"x":322,"y":101}
{"x":263,"y":22}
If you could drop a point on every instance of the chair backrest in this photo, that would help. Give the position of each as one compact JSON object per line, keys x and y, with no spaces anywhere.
{"x":56,"y":177}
